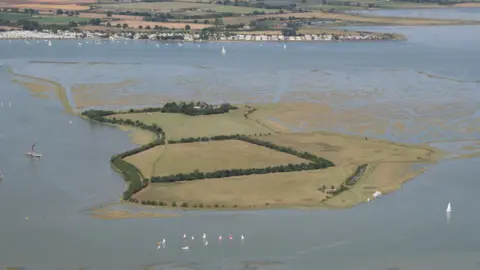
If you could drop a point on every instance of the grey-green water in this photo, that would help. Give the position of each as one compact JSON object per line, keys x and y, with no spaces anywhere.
{"x":407,"y":229}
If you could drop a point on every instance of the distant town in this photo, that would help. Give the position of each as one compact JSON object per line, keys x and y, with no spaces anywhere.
{"x":187,"y":37}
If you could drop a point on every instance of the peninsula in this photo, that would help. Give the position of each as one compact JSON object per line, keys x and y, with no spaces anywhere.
{"x":205,"y":156}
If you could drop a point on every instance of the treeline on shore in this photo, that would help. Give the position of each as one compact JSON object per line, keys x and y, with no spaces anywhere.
{"x":137,"y":181}
{"x":131,"y":174}
{"x":190,"y":108}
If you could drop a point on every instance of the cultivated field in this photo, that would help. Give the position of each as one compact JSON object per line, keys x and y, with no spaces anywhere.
{"x":207,"y":157}
{"x":179,"y":126}
{"x":50,"y":6}
{"x":159,"y":6}
{"x":171,"y":25}
{"x":41,"y":19}
{"x":359,"y":19}
{"x":292,"y":189}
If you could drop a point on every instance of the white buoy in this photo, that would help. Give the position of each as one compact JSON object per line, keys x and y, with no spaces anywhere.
{"x":449,"y":208}
{"x":204,"y":236}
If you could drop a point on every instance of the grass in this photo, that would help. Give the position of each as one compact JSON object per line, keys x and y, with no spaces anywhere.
{"x":208,"y":157}
{"x":280,"y":190}
{"x":40,"y":19}
{"x":352,"y":150}
{"x":179,"y":126}
{"x":64,"y":6}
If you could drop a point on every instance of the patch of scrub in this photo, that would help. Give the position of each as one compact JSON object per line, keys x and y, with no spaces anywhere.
{"x":119,"y":214}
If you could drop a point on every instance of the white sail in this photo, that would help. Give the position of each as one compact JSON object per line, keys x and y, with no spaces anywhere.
{"x":223,"y":50}
{"x":49,"y":43}
{"x":449,"y":208}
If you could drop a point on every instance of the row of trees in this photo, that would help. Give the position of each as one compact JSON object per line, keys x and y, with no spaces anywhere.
{"x":197,"y":175}
{"x":188,"y":108}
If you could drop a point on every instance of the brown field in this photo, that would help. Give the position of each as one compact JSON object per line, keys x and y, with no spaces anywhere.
{"x":207,"y":157}
{"x":346,"y":150}
{"x":137,"y":23}
{"x":50,"y":6}
{"x":362,"y":19}
{"x":160,"y":6}
{"x":389,"y":167}
{"x":255,"y":191}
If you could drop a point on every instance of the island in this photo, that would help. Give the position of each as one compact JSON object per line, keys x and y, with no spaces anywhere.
{"x":224,"y":156}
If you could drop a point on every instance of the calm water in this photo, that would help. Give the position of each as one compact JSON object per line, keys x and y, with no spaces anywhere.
{"x":407,"y":229}
{"x":470,"y":14}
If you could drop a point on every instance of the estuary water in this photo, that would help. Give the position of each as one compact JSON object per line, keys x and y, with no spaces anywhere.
{"x":427,"y":79}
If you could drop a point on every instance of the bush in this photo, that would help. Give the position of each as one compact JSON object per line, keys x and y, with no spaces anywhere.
{"x":184,"y":204}
{"x":174,"y":204}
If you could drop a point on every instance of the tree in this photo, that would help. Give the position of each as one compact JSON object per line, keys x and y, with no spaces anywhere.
{"x":118,"y":25}
{"x":140,"y":27}
{"x":108,"y":24}
{"x":77,"y":13}
{"x":187,"y":27}
{"x":59,"y":12}
{"x":109,"y":14}
{"x":125,"y":26}
{"x":147,"y":27}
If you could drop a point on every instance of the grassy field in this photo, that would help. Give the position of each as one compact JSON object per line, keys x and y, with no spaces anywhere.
{"x":179,"y":126}
{"x":389,"y":167}
{"x":293,"y":189}
{"x":39,"y":18}
{"x":171,"y":25}
{"x":207,"y":157}
{"x":352,"y":150}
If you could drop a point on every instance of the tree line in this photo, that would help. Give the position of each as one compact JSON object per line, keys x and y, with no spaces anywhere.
{"x":197,"y":175}
{"x":130,"y":172}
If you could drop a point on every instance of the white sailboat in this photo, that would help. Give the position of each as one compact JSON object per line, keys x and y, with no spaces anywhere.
{"x":284,"y":46}
{"x":33,"y":153}
{"x":223,"y":50}
{"x":49,"y":43}
{"x":449,"y":208}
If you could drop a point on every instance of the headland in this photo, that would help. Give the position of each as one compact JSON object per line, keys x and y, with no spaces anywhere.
{"x":231,"y":157}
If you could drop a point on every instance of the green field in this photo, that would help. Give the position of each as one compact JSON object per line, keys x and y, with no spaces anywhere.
{"x":158,"y":6}
{"x":40,"y":19}
{"x":179,"y":126}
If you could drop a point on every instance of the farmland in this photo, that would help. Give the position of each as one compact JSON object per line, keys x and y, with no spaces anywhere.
{"x":41,"y":19}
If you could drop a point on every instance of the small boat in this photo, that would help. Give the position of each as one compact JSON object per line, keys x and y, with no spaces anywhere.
{"x":220,"y":237}
{"x":164,"y":241}
{"x":230,"y":237}
{"x":223,"y":50}
{"x":185,"y":248}
{"x":184,"y":236}
{"x":242,"y":237}
{"x":206,"y":243}
{"x":32,"y":153}
{"x":204,"y":236}
{"x":449,"y":208}
{"x":193,"y":238}
{"x":284,"y":46}
{"x":49,"y":43}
